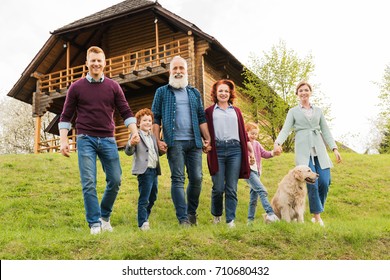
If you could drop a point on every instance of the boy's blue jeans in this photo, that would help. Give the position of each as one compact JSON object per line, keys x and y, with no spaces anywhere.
{"x":147,"y":187}
{"x":257,"y":189}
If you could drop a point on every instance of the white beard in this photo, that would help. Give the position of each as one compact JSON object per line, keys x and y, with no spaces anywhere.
{"x":178,"y":80}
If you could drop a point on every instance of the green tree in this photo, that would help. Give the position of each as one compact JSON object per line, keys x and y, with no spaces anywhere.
{"x":17,"y":127}
{"x":383,"y":123}
{"x":384,"y":146}
{"x":270,"y":82}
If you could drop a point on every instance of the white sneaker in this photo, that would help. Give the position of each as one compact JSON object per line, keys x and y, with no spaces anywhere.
{"x":270,"y":218}
{"x":320,"y":221}
{"x":145,"y":226}
{"x":216,"y":220}
{"x":96,"y":230}
{"x":231,"y":224}
{"x":106,"y":226}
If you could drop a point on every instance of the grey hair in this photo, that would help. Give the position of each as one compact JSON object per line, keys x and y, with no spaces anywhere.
{"x":178,"y":57}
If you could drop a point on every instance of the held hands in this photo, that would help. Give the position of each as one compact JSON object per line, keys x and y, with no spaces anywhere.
{"x":252,"y":159}
{"x":134,"y":139}
{"x":206,"y":146}
{"x":277,"y":149}
{"x":162,"y":146}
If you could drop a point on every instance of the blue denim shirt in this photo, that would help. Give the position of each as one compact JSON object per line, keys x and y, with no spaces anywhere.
{"x":164,"y":110}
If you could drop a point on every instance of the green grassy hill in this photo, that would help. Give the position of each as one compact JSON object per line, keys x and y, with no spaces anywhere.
{"x":42,"y":216}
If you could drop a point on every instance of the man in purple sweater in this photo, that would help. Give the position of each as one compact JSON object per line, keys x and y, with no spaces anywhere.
{"x":94,"y":99}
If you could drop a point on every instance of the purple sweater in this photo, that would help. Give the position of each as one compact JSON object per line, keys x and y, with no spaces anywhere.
{"x":95,"y":105}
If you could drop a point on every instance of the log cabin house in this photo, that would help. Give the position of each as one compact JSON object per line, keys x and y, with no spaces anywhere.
{"x":139,"y":38}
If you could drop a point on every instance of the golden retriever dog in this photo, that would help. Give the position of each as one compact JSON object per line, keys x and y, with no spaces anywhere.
{"x":289,"y":200}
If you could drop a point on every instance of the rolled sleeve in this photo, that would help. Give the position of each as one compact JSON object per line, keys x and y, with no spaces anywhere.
{"x":130,"y":120}
{"x":64,"y":125}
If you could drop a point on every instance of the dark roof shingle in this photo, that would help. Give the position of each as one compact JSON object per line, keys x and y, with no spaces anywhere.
{"x":115,"y":10}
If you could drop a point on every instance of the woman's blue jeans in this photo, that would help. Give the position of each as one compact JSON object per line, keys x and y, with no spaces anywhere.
{"x":318,"y":192}
{"x":184,"y":153}
{"x":226,"y":179}
{"x":257,"y":190}
{"x":88,"y":149}
{"x":147,"y":187}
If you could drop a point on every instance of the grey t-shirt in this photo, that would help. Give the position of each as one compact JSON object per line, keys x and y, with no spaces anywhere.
{"x":183,"y":124}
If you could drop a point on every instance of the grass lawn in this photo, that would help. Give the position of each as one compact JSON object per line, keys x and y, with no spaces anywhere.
{"x":42,"y":216}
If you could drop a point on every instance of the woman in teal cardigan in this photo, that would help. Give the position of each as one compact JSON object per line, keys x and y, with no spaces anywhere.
{"x":311,"y":130}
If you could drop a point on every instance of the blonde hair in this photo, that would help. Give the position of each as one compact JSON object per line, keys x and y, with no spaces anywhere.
{"x":251,"y":125}
{"x":302,"y":83}
{"x":95,"y":49}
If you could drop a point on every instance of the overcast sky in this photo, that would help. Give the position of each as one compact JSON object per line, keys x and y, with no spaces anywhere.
{"x":348,"y":39}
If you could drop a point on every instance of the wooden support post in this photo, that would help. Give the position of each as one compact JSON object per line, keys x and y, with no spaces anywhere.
{"x":157,"y":42}
{"x":37,"y":136}
{"x":67,"y":63}
{"x":191,"y":59}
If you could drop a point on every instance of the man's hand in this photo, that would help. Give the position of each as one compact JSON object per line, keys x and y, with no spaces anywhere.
{"x":64,"y":149}
{"x":64,"y":143}
{"x":206,"y":146}
{"x":162,"y":146}
{"x":134,"y":140}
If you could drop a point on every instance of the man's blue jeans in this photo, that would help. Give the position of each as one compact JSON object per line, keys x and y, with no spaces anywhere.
{"x":318,"y":192}
{"x":226,"y":179}
{"x":88,"y":149}
{"x":184,"y":153}
{"x":147,"y":187}
{"x":257,"y":190}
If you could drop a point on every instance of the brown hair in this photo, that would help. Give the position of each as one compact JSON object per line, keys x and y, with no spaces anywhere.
{"x":231,"y":86}
{"x":143,"y":112}
{"x":302,"y":83}
{"x":251,"y":125}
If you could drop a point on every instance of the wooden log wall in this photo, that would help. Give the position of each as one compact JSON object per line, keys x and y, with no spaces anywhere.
{"x":138,"y":33}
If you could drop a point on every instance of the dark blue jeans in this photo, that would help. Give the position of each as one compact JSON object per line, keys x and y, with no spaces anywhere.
{"x":88,"y":149}
{"x":226,"y":179}
{"x":147,"y":187}
{"x":184,"y":154}
{"x":318,"y":192}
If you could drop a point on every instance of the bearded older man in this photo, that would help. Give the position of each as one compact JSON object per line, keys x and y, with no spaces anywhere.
{"x":178,"y":108}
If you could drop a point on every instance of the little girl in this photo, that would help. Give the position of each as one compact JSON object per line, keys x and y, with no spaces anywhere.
{"x":257,"y":188}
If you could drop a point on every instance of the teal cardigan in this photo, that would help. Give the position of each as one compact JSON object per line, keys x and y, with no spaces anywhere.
{"x":309,"y":133}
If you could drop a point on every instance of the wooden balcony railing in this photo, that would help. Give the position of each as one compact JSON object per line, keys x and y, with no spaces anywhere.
{"x":53,"y":145}
{"x":132,"y":62}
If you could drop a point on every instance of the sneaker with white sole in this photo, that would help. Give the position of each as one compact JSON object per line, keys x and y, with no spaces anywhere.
{"x":231,"y":224}
{"x":96,"y":230}
{"x":216,"y":220}
{"x":271,"y":218}
{"x":145,"y":226}
{"x":106,"y":226}
{"x":320,"y":221}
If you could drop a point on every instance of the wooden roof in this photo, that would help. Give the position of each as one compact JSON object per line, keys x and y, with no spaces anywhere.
{"x":48,"y":58}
